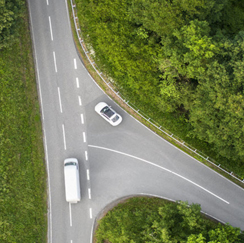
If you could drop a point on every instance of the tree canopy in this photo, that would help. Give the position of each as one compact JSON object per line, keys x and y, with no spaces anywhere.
{"x":140,"y":220}
{"x":184,"y":58}
{"x":10,"y":11}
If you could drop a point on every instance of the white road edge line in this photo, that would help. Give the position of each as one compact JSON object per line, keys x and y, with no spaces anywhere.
{"x":86,"y":155}
{"x":60,"y":102}
{"x":75,"y":64}
{"x":91,"y":233}
{"x":90,"y":213}
{"x":89,"y":193}
{"x":49,"y":188}
{"x":148,"y":162}
{"x":88,"y":175}
{"x":50,"y":232}
{"x":64,"y":137}
{"x":77,"y":83}
{"x":166,"y":198}
{"x":50,"y":25}
{"x":80,"y":102}
{"x":70,"y":215}
{"x":84,"y":137}
{"x":82,"y":118}
{"x":55,"y":65}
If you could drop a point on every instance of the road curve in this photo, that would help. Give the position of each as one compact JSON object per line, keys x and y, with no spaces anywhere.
{"x":114,"y":161}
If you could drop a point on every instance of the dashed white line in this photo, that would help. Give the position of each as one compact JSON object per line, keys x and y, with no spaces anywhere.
{"x":47,"y":2}
{"x":70,"y":215}
{"x":89,"y":193}
{"x":174,"y":173}
{"x":88,"y":175}
{"x":84,"y":137}
{"x":75,"y":64}
{"x":55,"y":65}
{"x":50,"y":24}
{"x":86,"y":155}
{"x":82,"y":118}
{"x":80,"y":102}
{"x":60,"y":102}
{"x":64,"y":137}
{"x":90,"y":213}
{"x":77,"y":83}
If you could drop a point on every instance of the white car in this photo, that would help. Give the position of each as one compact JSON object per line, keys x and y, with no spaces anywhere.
{"x":108,"y":113}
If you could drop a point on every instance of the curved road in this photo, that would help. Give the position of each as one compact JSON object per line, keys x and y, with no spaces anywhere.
{"x":114,"y":161}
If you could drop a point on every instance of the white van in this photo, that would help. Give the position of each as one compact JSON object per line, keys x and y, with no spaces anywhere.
{"x":72,"y":180}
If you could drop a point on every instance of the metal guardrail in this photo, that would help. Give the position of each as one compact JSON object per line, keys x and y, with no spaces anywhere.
{"x":133,"y":107}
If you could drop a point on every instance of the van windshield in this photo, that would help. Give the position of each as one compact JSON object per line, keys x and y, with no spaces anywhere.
{"x":70,"y":163}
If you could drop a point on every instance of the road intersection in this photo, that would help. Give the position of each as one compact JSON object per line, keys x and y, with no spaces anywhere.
{"x":115,"y":162}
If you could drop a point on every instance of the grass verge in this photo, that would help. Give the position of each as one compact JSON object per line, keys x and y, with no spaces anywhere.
{"x":23,"y":208}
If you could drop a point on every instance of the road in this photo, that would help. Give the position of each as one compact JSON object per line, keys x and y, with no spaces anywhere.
{"x":114,"y":161}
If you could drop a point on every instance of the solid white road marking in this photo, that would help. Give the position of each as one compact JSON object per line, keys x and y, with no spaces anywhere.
{"x":64,"y":137}
{"x":49,"y":230}
{"x":77,"y":83}
{"x":70,"y":215}
{"x":148,"y":162}
{"x":55,"y":65}
{"x":89,"y":193}
{"x":82,"y":118}
{"x":155,"y":195}
{"x":50,"y":24}
{"x":75,"y":63}
{"x":86,"y":155}
{"x":91,"y":234}
{"x":60,"y":103}
{"x":84,"y":137}
{"x":90,"y":213}
{"x":80,"y":102}
{"x":88,"y":175}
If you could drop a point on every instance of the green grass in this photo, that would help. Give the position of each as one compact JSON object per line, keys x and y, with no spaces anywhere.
{"x":23,"y":208}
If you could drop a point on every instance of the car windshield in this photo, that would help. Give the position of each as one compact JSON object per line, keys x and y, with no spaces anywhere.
{"x":107,"y":111}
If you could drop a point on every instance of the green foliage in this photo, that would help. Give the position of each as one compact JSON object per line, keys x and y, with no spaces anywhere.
{"x":10,"y":13}
{"x":149,"y":220}
{"x":217,"y":112}
{"x":180,"y":61}
{"x":232,"y":17}
{"x":225,"y":233}
{"x":22,"y":171}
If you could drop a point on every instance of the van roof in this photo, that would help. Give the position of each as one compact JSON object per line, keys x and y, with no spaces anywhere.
{"x":72,"y":183}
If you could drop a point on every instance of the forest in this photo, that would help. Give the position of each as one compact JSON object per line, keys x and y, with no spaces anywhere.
{"x":180,"y":59}
{"x":152,"y":220}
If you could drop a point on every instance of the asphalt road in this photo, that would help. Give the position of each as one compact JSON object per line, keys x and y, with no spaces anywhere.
{"x":114,"y":161}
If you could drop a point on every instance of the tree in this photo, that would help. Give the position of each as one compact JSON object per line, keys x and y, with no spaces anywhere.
{"x":169,"y":223}
{"x":196,"y":239}
{"x":10,"y":11}
{"x":217,"y":112}
{"x":185,"y":57}
{"x":224,"y":233}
